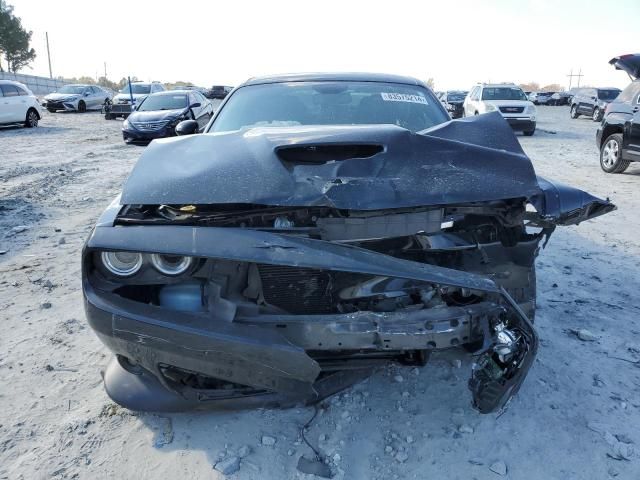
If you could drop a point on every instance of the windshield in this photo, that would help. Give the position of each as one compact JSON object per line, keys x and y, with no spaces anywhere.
{"x":330,"y":103}
{"x":73,"y":89}
{"x":136,"y":88}
{"x":456,"y":97}
{"x":163,"y":102}
{"x":503,"y":93}
{"x":608,"y":94}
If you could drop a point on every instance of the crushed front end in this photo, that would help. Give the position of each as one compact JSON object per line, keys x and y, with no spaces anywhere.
{"x":347,"y":255}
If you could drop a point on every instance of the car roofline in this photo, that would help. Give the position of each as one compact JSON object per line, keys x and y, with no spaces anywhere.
{"x":334,"y":77}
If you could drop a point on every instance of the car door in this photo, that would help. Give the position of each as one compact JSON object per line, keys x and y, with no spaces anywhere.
{"x":587,"y":101}
{"x":198,"y":112}
{"x":15,"y":106}
{"x":631,"y":135}
{"x":207,"y":108}
{"x":96,"y":97}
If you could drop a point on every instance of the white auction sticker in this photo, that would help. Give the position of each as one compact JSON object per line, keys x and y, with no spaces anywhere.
{"x":403,"y":97}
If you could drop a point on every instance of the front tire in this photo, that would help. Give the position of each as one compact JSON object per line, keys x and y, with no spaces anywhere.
{"x":31,"y":120}
{"x":51,"y":110}
{"x":611,"y":155}
{"x":597,"y":115}
{"x":82,"y":107}
{"x":529,"y":133}
{"x":574,"y":111}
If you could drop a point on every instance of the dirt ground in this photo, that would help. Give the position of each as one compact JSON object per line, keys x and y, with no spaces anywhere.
{"x":576,"y":417}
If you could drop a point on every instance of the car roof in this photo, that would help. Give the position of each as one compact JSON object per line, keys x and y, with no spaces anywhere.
{"x":336,"y":77}
{"x":13,"y":82}
{"x":171,"y":92}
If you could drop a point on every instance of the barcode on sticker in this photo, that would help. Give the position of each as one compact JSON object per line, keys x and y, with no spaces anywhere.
{"x":403,"y":97}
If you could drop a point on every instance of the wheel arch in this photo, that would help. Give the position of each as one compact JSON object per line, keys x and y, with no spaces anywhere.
{"x":609,"y":130}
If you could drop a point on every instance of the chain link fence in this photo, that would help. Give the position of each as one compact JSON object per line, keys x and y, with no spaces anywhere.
{"x":40,"y":86}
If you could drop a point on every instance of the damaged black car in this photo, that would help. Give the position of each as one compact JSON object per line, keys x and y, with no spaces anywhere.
{"x":322,"y":226}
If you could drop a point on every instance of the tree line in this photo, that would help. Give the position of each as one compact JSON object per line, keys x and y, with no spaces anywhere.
{"x":15,"y":51}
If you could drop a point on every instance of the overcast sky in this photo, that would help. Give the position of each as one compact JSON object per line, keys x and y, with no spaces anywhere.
{"x":456,"y":42}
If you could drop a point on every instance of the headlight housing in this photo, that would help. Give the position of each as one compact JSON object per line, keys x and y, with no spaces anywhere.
{"x":122,"y":264}
{"x":171,"y":265}
{"x":489,"y":107}
{"x":126,"y":123}
{"x":531,"y":110}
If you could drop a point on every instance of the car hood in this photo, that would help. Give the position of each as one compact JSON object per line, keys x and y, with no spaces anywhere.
{"x":474,"y":159}
{"x":136,"y":96}
{"x":629,"y":63}
{"x":156,"y":115}
{"x":62,"y":96}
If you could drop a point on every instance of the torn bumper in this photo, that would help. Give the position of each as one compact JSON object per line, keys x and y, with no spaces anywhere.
{"x":276,"y":359}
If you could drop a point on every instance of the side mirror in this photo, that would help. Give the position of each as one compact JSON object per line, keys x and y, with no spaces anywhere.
{"x":86,"y":94}
{"x":187,"y":127}
{"x":195,"y":105}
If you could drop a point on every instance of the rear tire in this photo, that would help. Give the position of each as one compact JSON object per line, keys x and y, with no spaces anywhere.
{"x":611,"y":155}
{"x":31,"y":120}
{"x":82,"y":107}
{"x":574,"y":111}
{"x":597,"y":115}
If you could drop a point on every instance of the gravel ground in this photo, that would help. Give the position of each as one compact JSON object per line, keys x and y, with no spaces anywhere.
{"x":577,"y":415}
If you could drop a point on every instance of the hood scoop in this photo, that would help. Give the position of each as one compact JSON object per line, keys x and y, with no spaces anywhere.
{"x":326,"y":153}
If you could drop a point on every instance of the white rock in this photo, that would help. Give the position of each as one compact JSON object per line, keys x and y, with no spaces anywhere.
{"x":585,"y":335}
{"x":465,"y":429}
{"x":457,"y":363}
{"x":498,"y":467}
{"x":228,"y":466}
{"x":402,"y":457}
{"x":268,"y":441}
{"x":409,"y":439}
{"x":336,"y":458}
{"x":398,"y":378}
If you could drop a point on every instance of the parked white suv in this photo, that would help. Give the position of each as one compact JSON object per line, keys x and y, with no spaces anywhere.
{"x":506,"y":98}
{"x":122,"y":104}
{"x":18,"y":105}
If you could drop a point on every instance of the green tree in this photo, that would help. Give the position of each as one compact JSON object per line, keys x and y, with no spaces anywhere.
{"x":14,"y":40}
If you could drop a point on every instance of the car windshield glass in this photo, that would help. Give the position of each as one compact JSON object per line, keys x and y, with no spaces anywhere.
{"x":455,"y":97}
{"x":72,"y":89}
{"x":163,"y":102}
{"x":608,"y":94}
{"x":503,"y":93}
{"x":136,"y":88}
{"x":330,"y":103}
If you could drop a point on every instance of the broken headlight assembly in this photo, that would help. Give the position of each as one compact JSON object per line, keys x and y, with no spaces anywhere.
{"x":127,"y":264}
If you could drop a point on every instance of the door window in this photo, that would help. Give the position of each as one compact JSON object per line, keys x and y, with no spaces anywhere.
{"x":22,"y":91}
{"x":9,"y":90}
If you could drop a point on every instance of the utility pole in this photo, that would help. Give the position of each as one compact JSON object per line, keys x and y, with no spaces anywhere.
{"x":571,"y":75}
{"x":105,"y":70}
{"x":48,"y":54}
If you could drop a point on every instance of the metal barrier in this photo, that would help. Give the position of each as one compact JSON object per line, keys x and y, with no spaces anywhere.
{"x":40,"y":86}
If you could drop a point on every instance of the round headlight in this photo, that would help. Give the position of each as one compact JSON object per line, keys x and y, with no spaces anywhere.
{"x":122,"y":264}
{"x":171,"y":264}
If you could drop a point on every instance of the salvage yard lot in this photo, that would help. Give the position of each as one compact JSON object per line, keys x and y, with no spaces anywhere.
{"x":577,"y":415}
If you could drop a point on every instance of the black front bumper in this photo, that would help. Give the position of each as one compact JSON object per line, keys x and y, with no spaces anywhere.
{"x":134,"y":136}
{"x":521,"y":124}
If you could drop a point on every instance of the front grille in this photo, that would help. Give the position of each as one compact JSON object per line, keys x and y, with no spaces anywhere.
{"x":511,"y":109}
{"x":149,"y":126}
{"x":297,"y":290}
{"x":120,"y":108}
{"x":51,"y":104}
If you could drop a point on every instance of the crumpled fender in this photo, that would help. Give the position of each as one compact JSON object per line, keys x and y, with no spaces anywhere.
{"x":560,"y":204}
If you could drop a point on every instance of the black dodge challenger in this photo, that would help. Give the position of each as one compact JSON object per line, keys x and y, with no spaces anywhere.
{"x":321,"y":226}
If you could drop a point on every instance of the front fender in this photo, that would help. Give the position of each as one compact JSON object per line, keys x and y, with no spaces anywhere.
{"x":560,"y":204}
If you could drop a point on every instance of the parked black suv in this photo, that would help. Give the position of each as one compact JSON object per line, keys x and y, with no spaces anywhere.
{"x":618,"y":137}
{"x":453,"y":101}
{"x":592,"y":102}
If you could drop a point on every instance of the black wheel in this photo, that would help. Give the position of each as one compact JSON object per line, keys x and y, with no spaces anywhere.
{"x":31,"y":119}
{"x":574,"y":111}
{"x":52,"y":110}
{"x":82,"y":107}
{"x":597,"y":115}
{"x":529,"y":133}
{"x":611,"y":155}
{"x":476,"y":113}
{"x":109,"y":116}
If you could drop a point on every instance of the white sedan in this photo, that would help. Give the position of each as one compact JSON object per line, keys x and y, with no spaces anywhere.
{"x":18,"y":105}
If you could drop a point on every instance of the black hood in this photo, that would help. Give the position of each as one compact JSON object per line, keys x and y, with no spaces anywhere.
{"x":629,"y":63}
{"x":469,"y":160}
{"x":156,"y":115}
